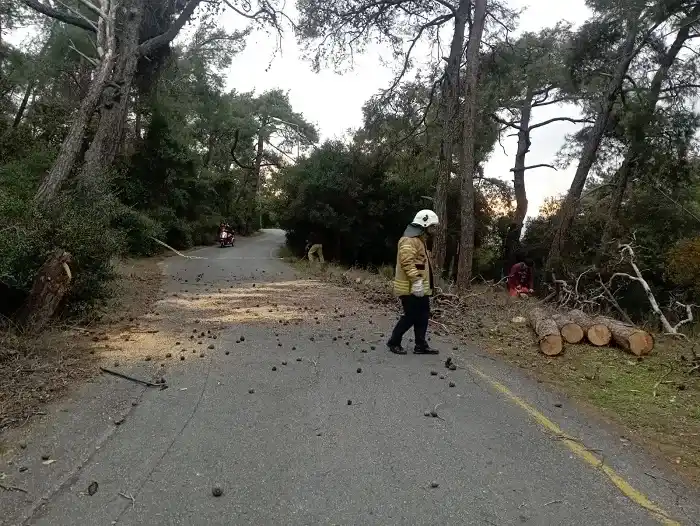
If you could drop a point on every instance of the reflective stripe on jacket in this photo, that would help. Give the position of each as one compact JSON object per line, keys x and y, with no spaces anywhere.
{"x":412,"y":263}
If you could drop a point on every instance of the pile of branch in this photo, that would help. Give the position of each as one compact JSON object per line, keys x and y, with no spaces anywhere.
{"x":575,"y":326}
{"x":601,"y":295}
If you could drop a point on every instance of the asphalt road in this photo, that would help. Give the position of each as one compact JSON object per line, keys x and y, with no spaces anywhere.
{"x":294,"y":452}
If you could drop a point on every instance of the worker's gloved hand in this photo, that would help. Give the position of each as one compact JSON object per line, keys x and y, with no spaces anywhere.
{"x":417,"y":288}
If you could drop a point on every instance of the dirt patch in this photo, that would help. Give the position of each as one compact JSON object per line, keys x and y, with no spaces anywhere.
{"x":36,"y":370}
{"x":655,"y":399}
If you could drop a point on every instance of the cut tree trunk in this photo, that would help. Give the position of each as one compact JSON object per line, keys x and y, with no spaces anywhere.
{"x":596,"y":330}
{"x":449,"y":104}
{"x":50,"y":287}
{"x":548,"y":335}
{"x":467,"y":160}
{"x":570,"y":330}
{"x":630,"y":338}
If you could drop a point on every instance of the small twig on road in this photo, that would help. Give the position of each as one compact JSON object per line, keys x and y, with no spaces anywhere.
{"x":129,"y":497}
{"x":657,"y":384}
{"x":553,"y":502}
{"x":13,"y":488}
{"x":127,"y":377}
{"x":441,"y":325}
{"x":34,"y":413}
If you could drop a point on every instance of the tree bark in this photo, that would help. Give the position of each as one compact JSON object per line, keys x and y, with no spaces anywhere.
{"x":73,"y":142}
{"x":23,"y":105}
{"x":466,"y":238}
{"x":636,"y":154}
{"x":548,"y":336}
{"x":590,"y":150}
{"x":257,"y":169}
{"x":50,"y":287}
{"x":448,"y":106}
{"x":110,"y":129}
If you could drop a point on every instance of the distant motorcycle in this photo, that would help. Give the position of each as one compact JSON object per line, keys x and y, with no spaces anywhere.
{"x":226,"y":237}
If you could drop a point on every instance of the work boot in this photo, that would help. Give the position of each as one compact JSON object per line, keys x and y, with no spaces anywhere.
{"x":425,"y":349}
{"x":396,"y":349}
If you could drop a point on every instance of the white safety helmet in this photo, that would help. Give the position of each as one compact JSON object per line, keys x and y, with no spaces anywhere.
{"x":425,"y":218}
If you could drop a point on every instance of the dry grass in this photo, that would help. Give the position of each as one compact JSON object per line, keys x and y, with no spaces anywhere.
{"x":655,"y":399}
{"x":38,"y":369}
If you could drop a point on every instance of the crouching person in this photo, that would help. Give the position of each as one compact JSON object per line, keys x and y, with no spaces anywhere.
{"x":413,"y":283}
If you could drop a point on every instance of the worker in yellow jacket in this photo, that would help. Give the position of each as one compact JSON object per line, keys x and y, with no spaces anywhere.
{"x":413,"y":283}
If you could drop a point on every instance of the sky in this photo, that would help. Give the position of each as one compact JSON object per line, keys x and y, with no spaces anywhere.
{"x":333,"y":102}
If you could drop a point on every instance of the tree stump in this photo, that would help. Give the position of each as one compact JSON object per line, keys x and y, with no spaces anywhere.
{"x":48,"y":290}
{"x":597,"y":331}
{"x":547,"y":331}
{"x":632,"y":339}
{"x":570,"y":330}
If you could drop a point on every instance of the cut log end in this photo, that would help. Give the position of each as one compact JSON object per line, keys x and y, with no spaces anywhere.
{"x":572,"y":333}
{"x":599,"y":335}
{"x":547,"y":331}
{"x":641,"y":343}
{"x":551,"y":345}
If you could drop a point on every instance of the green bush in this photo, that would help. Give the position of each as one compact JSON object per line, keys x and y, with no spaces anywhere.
{"x":77,"y":222}
{"x":139,"y":231}
{"x":205,"y":230}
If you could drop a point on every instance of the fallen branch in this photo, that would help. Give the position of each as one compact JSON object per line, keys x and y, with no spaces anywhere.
{"x":627,"y":251}
{"x":441,"y":325}
{"x":174,"y":250}
{"x":657,"y":384}
{"x":128,"y":497}
{"x":13,"y":488}
{"x":131,"y":378}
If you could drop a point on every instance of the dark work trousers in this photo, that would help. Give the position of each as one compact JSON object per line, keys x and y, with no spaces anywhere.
{"x":416,"y":313}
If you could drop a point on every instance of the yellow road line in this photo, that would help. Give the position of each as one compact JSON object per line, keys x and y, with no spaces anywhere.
{"x":581,"y":451}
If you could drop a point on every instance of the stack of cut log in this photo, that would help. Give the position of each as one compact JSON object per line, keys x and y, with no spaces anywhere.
{"x":576,"y":326}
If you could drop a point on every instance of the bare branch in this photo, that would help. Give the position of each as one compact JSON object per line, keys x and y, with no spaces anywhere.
{"x":543,"y":165}
{"x":165,"y":38}
{"x":555,"y":119}
{"x":233,"y":153}
{"x":627,"y":252}
{"x":61,"y":16}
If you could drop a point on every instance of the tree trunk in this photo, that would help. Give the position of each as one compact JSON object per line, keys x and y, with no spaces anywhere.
{"x":597,"y":331}
{"x":448,"y":108}
{"x":548,"y":336}
{"x":257,"y":171}
{"x":23,"y":105}
{"x":590,"y":150}
{"x":32,"y":83}
{"x":211,"y":142}
{"x":466,"y":239}
{"x":50,"y":287}
{"x":570,"y":330}
{"x":519,"y":168}
{"x":110,"y":129}
{"x":73,"y":142}
{"x":637,"y":154}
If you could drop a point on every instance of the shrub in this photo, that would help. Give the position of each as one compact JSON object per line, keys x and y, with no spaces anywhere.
{"x":139,"y":231}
